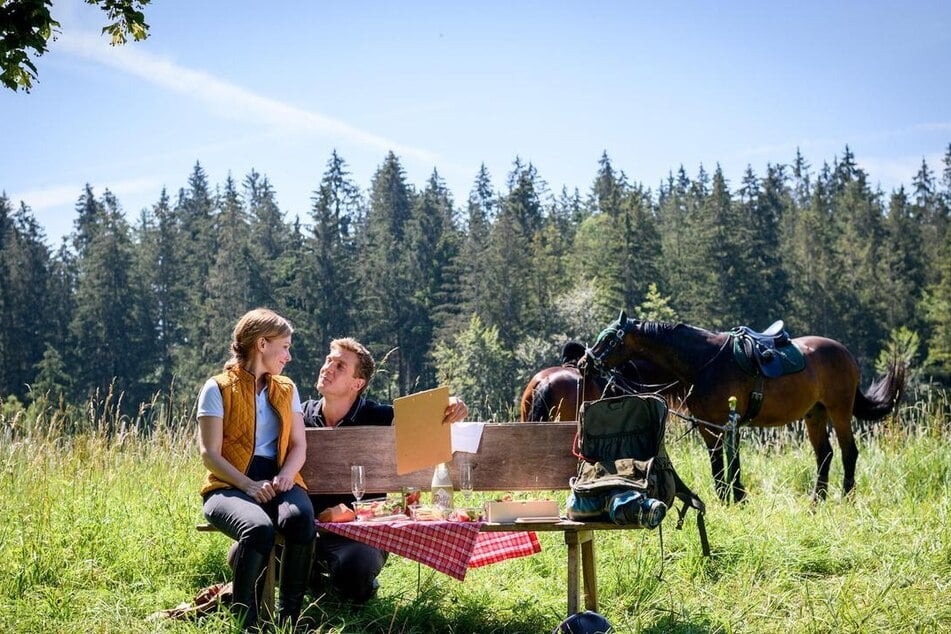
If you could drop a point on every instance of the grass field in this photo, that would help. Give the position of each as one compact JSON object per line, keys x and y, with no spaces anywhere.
{"x":98,"y":533}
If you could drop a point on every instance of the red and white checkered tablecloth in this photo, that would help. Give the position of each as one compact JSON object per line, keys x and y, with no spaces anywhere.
{"x":449,"y":547}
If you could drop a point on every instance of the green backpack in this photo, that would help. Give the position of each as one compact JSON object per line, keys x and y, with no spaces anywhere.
{"x":624,"y":473}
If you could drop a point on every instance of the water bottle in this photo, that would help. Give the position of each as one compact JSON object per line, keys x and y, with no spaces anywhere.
{"x":442,"y":487}
{"x":636,"y":509}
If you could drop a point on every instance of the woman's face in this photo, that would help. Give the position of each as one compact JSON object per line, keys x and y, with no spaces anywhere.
{"x":275,"y":353}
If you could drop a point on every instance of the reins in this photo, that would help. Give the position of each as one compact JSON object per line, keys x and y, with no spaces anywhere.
{"x":633,"y":387}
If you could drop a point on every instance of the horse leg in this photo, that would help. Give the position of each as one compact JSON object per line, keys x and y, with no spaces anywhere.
{"x":714,"y":444}
{"x":818,"y":431}
{"x":842,"y":424}
{"x":739,"y":491}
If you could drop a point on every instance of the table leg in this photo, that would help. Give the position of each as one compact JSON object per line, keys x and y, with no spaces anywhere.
{"x":589,"y":570}
{"x":571,"y":540}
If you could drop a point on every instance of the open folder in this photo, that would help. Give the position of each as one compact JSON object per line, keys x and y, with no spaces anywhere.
{"x":422,"y":440}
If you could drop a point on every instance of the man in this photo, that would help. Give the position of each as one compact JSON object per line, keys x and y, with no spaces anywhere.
{"x":342,"y":382}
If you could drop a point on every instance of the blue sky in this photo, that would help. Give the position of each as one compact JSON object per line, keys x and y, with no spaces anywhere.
{"x":277,"y":86}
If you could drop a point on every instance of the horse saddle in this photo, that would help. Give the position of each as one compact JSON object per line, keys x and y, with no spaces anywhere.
{"x":770,"y":353}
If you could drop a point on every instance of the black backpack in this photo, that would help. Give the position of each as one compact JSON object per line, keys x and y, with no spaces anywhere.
{"x":624,"y":473}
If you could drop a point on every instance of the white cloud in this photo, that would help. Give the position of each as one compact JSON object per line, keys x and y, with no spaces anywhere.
{"x":214,"y":92}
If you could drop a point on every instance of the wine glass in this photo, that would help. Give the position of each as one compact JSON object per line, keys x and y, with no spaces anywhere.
{"x":358,"y":481}
{"x":465,"y":480}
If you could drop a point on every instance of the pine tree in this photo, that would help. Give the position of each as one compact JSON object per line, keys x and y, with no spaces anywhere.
{"x":197,"y":247}
{"x":110,"y":331}
{"x":764,"y":206}
{"x":437,"y":261}
{"x":232,"y":277}
{"x":388,"y":290}
{"x":901,"y":266}
{"x":518,"y":271}
{"x":158,"y":258}
{"x":325,"y":289}
{"x":268,"y":242}
{"x":858,"y":221}
{"x":482,"y":206}
{"x":24,"y":302}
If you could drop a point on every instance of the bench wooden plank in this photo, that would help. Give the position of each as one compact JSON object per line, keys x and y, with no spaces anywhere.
{"x":511,"y":457}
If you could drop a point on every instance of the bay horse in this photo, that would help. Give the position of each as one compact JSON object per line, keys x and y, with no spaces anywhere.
{"x":825,"y":391}
{"x":552,"y":394}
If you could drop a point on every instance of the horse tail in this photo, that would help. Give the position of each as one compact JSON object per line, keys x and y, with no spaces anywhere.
{"x":540,"y":411}
{"x":882,"y":396}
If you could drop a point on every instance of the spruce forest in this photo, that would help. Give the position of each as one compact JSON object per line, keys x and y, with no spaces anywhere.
{"x":477,"y":294}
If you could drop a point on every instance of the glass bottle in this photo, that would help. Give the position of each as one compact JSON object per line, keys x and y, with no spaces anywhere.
{"x":442,"y":487}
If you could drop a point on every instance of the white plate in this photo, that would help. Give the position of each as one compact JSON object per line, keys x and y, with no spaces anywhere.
{"x":388,"y":518}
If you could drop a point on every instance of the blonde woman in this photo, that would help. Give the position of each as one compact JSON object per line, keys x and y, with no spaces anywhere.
{"x":252,"y":444}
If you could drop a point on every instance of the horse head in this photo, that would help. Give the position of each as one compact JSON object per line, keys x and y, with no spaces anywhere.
{"x":609,"y":350}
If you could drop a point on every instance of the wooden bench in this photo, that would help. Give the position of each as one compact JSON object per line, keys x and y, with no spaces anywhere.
{"x":511,"y":457}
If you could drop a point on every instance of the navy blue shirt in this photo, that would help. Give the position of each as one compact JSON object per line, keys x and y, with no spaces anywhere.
{"x":363,"y":412}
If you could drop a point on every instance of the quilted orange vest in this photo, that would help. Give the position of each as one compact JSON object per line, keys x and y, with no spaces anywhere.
{"x":239,"y":424}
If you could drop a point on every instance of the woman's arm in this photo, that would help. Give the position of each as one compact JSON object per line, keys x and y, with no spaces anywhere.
{"x":296,"y":454}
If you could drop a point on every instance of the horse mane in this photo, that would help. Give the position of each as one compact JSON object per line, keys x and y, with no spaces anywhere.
{"x":666,"y":331}
{"x":690,"y":341}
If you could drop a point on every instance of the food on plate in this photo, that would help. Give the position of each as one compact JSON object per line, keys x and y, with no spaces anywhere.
{"x":338,"y":513}
{"x":427,"y":512}
{"x":382,"y":507}
{"x":465,"y":515}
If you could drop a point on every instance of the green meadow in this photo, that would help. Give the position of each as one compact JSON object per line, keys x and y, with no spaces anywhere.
{"x":98,"y":533}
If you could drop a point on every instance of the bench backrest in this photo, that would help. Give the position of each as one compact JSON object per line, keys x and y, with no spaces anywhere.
{"x":511,"y":457}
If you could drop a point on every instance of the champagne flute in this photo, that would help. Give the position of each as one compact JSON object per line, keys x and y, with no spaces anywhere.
{"x":358,"y":481}
{"x":465,"y":480}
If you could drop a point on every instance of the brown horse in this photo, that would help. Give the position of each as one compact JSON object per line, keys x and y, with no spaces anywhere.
{"x":552,"y":394}
{"x":825,"y":391}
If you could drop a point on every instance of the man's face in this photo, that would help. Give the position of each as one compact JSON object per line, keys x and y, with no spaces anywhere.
{"x":337,"y":375}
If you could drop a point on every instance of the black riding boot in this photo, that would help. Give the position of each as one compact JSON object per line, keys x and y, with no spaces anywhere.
{"x":295,"y":573}
{"x":248,"y":564}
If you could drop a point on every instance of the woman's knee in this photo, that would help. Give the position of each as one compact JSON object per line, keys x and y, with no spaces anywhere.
{"x":296,"y":518}
{"x":259,"y":536}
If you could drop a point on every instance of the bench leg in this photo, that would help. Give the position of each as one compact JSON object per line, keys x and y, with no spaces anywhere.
{"x":581,"y":549}
{"x":269,"y":583}
{"x":266,"y":600}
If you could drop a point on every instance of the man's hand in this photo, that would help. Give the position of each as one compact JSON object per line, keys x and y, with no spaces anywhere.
{"x":456,"y":411}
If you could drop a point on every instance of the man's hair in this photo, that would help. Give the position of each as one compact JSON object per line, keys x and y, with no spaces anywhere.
{"x":365,"y":364}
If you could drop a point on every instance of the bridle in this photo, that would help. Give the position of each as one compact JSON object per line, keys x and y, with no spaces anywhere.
{"x":609,"y":339}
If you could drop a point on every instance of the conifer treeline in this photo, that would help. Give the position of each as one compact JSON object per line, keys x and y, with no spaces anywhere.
{"x":478,"y":294}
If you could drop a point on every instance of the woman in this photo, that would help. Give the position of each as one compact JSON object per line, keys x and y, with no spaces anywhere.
{"x":252,"y":444}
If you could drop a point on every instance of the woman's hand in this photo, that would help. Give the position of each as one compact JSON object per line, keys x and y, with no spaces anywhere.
{"x":261,"y":490}
{"x":282,"y":483}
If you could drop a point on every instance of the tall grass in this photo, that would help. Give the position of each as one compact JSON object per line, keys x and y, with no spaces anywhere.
{"x":98,"y":533}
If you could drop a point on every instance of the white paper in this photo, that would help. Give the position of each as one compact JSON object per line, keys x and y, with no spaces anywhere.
{"x":466,"y":437}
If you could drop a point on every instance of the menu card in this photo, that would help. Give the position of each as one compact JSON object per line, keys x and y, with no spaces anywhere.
{"x":422,"y":440}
